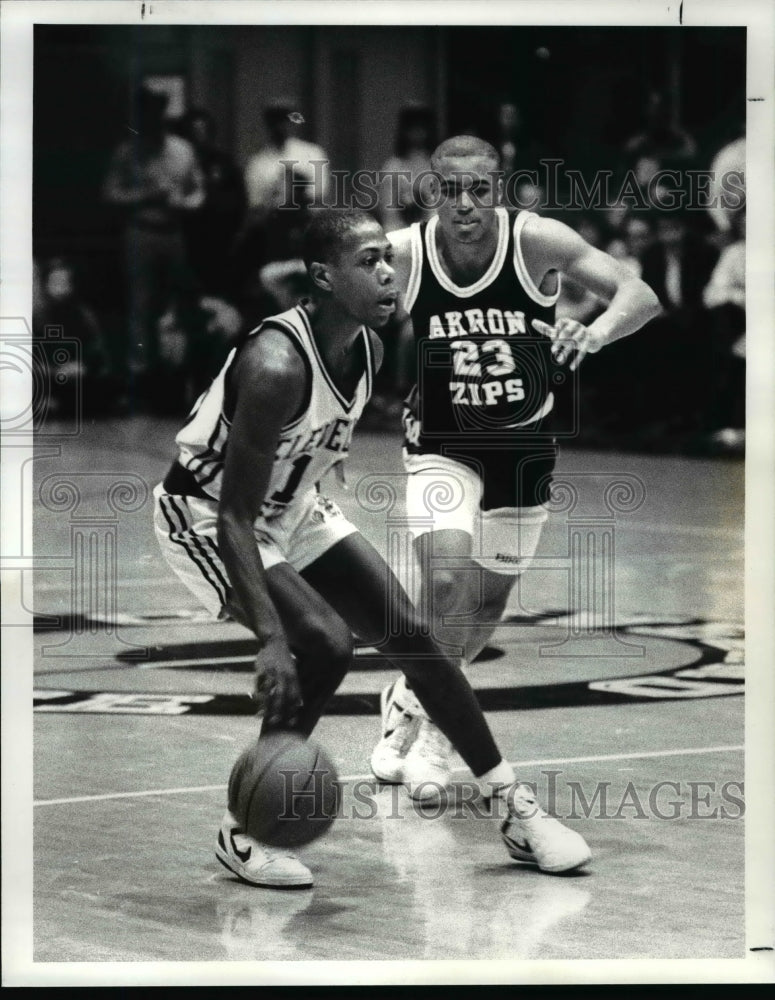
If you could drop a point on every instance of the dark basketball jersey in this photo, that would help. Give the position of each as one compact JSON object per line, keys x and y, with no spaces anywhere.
{"x":484,"y":375}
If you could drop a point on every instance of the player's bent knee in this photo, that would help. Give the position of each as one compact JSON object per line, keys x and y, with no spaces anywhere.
{"x":447,"y":590}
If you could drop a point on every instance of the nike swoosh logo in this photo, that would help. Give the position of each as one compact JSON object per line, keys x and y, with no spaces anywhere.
{"x":242,"y":855}
{"x":521,"y":845}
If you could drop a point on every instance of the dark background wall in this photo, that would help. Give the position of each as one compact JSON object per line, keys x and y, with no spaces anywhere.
{"x":581,"y":91}
{"x":584,"y":86}
{"x":350,"y":83}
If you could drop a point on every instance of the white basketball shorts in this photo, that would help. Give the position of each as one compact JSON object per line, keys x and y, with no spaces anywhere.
{"x":186,"y":528}
{"x":442,"y":493}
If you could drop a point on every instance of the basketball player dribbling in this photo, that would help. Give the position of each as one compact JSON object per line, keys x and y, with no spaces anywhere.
{"x":241,"y":522}
{"x":479,"y":288}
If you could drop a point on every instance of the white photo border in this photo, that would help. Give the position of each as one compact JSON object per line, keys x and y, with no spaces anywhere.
{"x":17,"y":18}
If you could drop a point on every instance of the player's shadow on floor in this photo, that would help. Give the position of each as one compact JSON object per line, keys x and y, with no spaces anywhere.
{"x":509,"y":868}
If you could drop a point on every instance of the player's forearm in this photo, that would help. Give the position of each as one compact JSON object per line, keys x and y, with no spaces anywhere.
{"x":633,"y":305}
{"x":239,"y":552}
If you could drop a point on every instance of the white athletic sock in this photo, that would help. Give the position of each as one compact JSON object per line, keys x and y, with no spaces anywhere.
{"x":496,"y":779}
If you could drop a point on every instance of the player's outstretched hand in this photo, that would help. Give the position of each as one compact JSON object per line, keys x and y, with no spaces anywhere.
{"x":277,"y":689}
{"x":569,"y":338}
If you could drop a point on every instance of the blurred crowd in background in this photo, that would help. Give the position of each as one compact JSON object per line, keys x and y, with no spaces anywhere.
{"x":208,"y":249}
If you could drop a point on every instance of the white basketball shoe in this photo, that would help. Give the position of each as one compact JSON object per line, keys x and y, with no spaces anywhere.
{"x":531,"y":835}
{"x":427,"y":769}
{"x":412,"y":750}
{"x":401,"y":714}
{"x":255,"y":863}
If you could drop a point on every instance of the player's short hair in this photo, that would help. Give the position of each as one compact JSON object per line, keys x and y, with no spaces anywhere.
{"x":465,"y":145}
{"x":327,"y":230}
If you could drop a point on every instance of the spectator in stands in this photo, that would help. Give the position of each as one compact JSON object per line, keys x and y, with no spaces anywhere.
{"x":85,"y":372}
{"x":638,"y":237}
{"x":678,"y":265}
{"x":401,"y":199}
{"x":285,"y":158}
{"x":269,"y":272}
{"x":724,"y":298}
{"x":518,"y":151}
{"x":283,"y":180}
{"x":662,"y":138}
{"x":195,"y":337}
{"x":154,"y":179}
{"x":212,"y":229}
{"x":524,"y":194}
{"x":631,"y":246}
{"x":656,"y":189}
{"x":615,"y":216}
{"x":284,"y":282}
{"x":729,"y":160}
{"x":509,"y":141}
{"x":588,"y":227}
{"x":727,"y":283}
{"x":645,"y":169}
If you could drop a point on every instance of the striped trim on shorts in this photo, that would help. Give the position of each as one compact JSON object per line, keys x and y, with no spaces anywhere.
{"x":190,"y":524}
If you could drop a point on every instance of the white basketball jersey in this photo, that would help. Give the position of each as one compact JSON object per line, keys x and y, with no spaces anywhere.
{"x":309,"y":446}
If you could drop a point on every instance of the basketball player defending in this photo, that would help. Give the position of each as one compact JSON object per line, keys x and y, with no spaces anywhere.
{"x":479,"y":290}
{"x":241,"y":522}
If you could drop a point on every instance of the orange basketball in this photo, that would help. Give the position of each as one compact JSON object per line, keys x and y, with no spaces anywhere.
{"x":284,"y":790}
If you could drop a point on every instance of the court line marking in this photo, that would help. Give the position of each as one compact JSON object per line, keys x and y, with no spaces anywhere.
{"x":641,"y":755}
{"x":195,"y":661}
{"x":360,"y":652}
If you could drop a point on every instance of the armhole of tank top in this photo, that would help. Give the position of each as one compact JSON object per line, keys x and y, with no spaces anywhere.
{"x":368,"y":347}
{"x":413,"y":285}
{"x":286,"y":328}
{"x":520,"y":268}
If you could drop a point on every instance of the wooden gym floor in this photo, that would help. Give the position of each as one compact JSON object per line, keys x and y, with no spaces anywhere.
{"x":136,"y":728}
